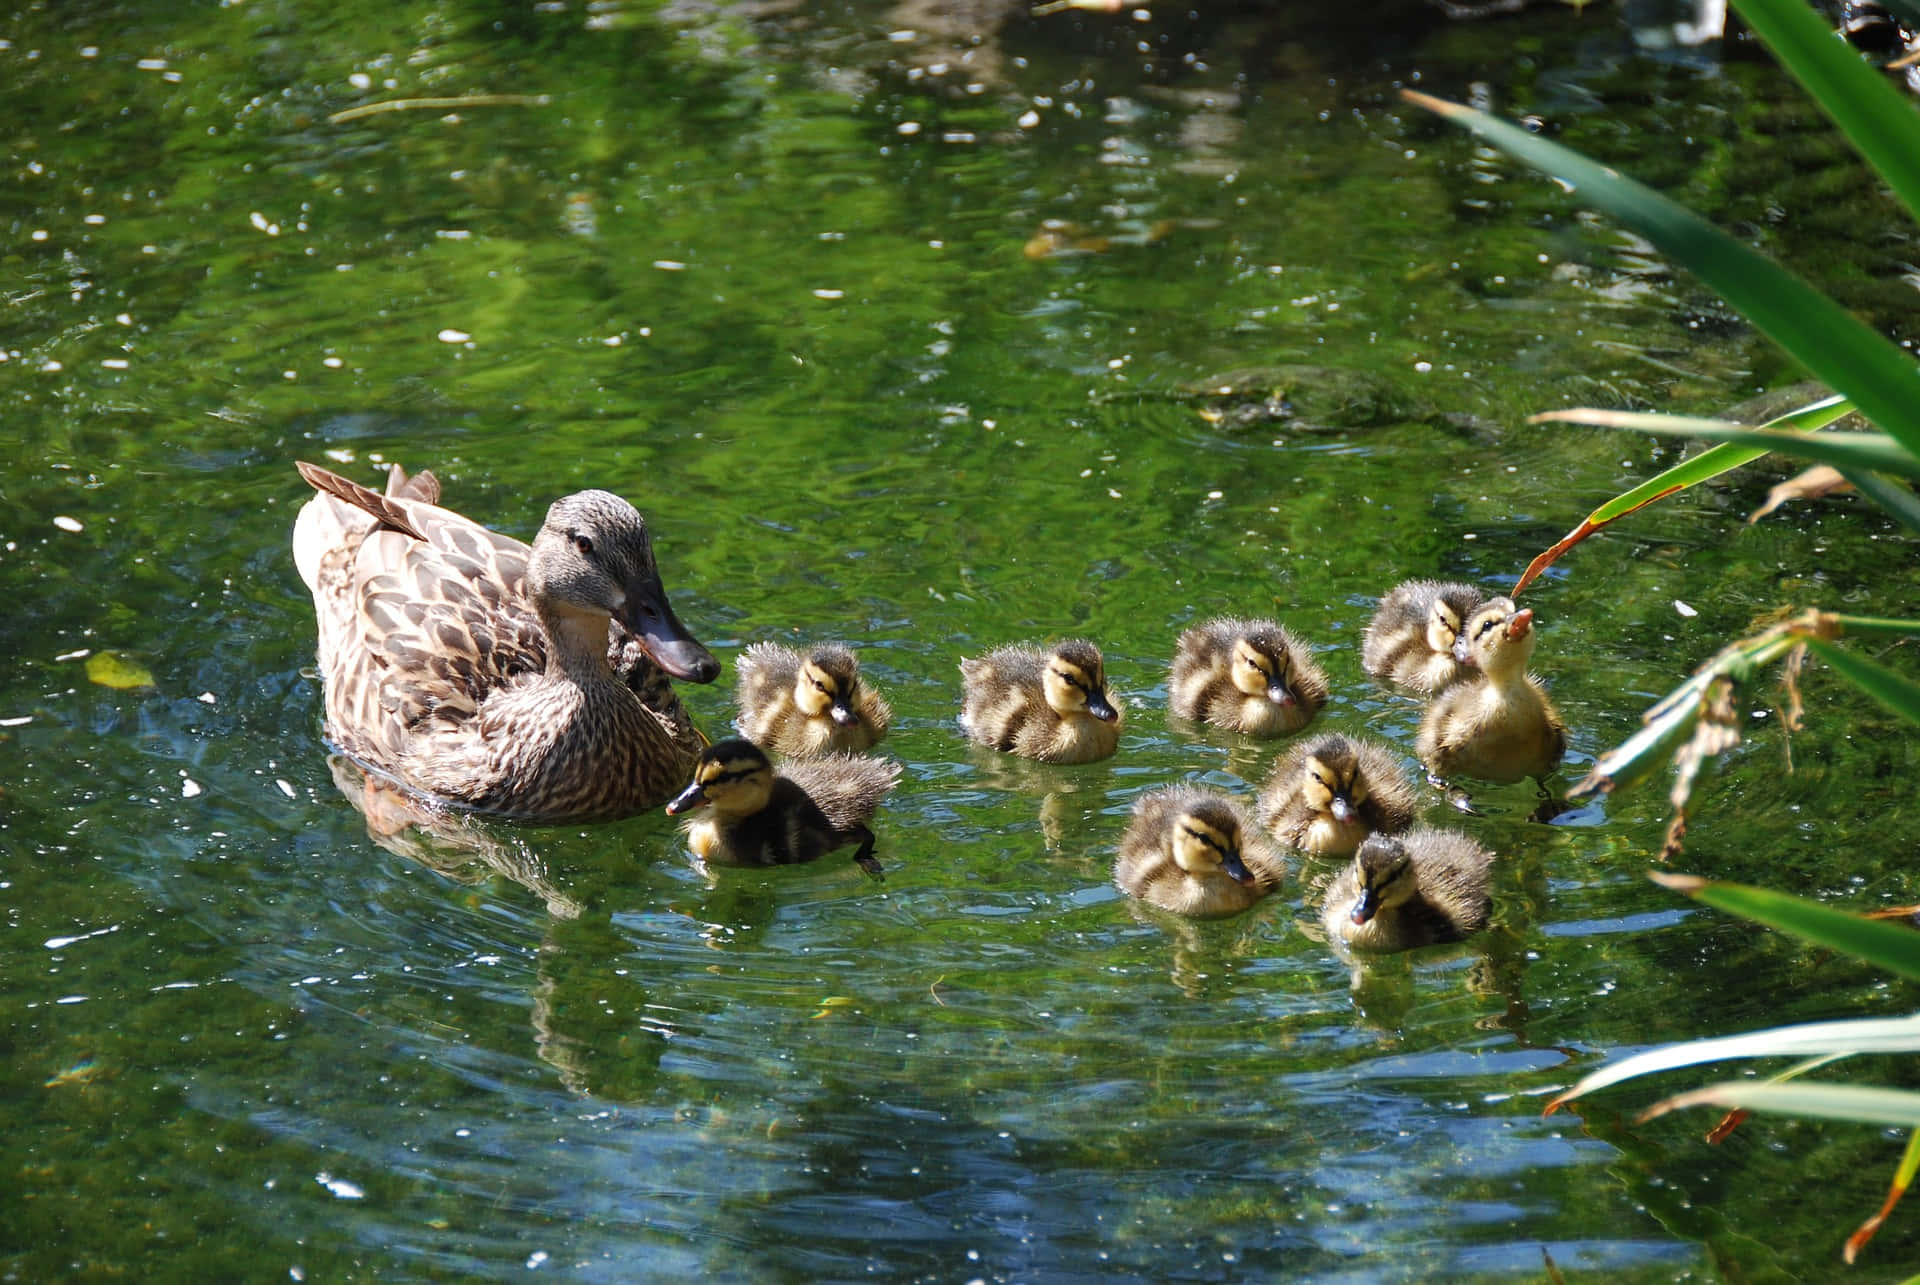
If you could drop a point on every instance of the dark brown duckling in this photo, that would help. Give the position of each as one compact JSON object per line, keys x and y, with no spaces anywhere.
{"x":756,"y":817}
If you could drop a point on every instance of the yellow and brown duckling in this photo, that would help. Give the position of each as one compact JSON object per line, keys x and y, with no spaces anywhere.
{"x":1248,"y":676}
{"x":1496,"y":724}
{"x":1409,"y":642}
{"x":1051,"y":705}
{"x":1328,"y":794}
{"x":757,"y":817}
{"x":1190,"y":850}
{"x":1420,"y":888}
{"x":807,"y":705}
{"x":472,"y":669}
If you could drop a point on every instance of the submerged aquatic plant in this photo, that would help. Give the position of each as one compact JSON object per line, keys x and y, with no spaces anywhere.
{"x":1696,"y":722}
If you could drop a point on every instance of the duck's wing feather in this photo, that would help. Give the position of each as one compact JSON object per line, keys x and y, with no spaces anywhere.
{"x":847,"y":788}
{"x":423,"y":612}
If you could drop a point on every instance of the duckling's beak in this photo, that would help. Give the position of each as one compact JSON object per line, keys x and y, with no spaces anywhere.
{"x":1518,"y":625}
{"x":687,"y":800}
{"x":1237,"y":869}
{"x":1100,"y":707}
{"x":1277,"y":692}
{"x":842,"y":713}
{"x":663,"y":637}
{"x":1342,"y":808}
{"x":1366,"y":906}
{"x":1462,"y":654}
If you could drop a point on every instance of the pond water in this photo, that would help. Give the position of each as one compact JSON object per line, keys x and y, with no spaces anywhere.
{"x":887,"y":331}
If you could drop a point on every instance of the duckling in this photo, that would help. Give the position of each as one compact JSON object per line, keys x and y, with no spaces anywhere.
{"x":1409,"y":642}
{"x":1327,"y":795}
{"x":803,"y":706}
{"x":1248,"y":676}
{"x":1050,"y":705}
{"x":1416,"y":889}
{"x":1191,"y":851}
{"x":1497,"y":724}
{"x":759,"y":818}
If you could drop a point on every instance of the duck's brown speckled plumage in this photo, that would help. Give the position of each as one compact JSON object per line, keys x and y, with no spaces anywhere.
{"x":1420,"y":888}
{"x":1326,"y":795}
{"x":1185,"y":850}
{"x":748,"y":815}
{"x":1051,"y":705}
{"x":1409,"y":641}
{"x":1248,"y":676}
{"x":480,"y":672}
{"x":1496,"y":724}
{"x":807,"y":704}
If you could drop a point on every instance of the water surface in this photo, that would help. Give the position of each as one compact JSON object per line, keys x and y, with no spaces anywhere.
{"x":893,"y":355}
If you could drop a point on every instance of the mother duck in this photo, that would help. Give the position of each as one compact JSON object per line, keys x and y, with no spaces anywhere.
{"x":524,"y":682}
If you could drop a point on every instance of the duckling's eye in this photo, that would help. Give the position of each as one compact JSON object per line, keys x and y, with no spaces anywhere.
{"x":582,"y":545}
{"x":1481,"y":632}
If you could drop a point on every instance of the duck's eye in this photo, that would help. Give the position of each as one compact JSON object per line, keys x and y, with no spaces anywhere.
{"x":583,"y":545}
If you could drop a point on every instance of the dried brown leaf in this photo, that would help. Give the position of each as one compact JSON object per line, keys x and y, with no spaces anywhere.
{"x":1821,"y":479}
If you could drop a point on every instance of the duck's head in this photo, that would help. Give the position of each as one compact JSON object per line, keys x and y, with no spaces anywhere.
{"x":733,"y":776}
{"x":1385,"y":872}
{"x":1206,"y":840}
{"x":1334,"y":783}
{"x":827,"y":684}
{"x":1076,"y":681}
{"x":1443,"y":626}
{"x":593,"y":557}
{"x":1262,"y":665}
{"x":1496,"y":638}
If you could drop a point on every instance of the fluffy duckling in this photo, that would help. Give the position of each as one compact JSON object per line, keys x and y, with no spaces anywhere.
{"x":1409,"y":642}
{"x":1416,"y":889}
{"x":1327,"y":795}
{"x":1497,"y":724}
{"x":1048,"y":705}
{"x":804,"y":706}
{"x":758,"y":818}
{"x":1248,"y":676}
{"x":1190,"y":850}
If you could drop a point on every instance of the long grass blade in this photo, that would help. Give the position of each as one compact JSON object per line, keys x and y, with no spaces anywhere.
{"x":1902,"y":1179}
{"x":1890,"y":687}
{"x":1844,"y":352}
{"x":1886,"y":945}
{"x":1813,"y":1039}
{"x":1875,"y":452}
{"x":1859,"y":1103}
{"x":1876,"y":118}
{"x":1896,"y":499}
{"x":1710,"y":463}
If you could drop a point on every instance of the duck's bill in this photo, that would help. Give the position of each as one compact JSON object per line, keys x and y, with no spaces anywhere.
{"x":1237,"y":869}
{"x":1277,"y":693}
{"x":842,"y":713}
{"x":665,"y":640}
{"x":1101,"y":708}
{"x":687,"y":800}
{"x":1365,"y":907}
{"x":1342,"y":808}
{"x":1520,"y":623}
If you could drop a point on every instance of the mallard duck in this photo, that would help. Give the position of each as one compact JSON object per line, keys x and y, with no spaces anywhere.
{"x":1414,"y":889}
{"x":1050,"y":705}
{"x":802,"y":706}
{"x":480,"y":672}
{"x":1248,"y":676}
{"x":1409,"y":642}
{"x":1328,"y":794}
{"x":1496,"y":724}
{"x":1191,"y":851}
{"x":758,"y":817}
